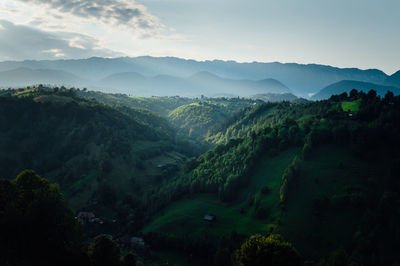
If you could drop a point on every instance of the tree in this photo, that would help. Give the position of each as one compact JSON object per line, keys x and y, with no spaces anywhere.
{"x":353,"y":93}
{"x":37,"y":227}
{"x":104,"y":251}
{"x":389,"y":97}
{"x":270,"y":250}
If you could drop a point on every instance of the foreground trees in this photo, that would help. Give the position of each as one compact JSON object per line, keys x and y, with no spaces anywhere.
{"x":36,"y":226}
{"x":267,"y":251}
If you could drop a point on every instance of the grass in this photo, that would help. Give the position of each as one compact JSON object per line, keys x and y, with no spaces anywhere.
{"x":185,"y":217}
{"x":353,"y":106}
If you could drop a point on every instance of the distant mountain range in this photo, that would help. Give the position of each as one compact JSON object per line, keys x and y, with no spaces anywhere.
{"x":200,"y":83}
{"x":170,"y":75}
{"x":348,"y":85}
{"x":25,"y":76}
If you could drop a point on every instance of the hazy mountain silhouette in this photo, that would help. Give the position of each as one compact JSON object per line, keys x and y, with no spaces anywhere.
{"x":302,"y":79}
{"x":393,"y":80}
{"x":348,"y":85}
{"x":200,"y":83}
{"x":25,"y":76}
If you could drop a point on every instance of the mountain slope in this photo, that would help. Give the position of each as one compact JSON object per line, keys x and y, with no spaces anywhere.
{"x":348,"y":85}
{"x":393,"y":80}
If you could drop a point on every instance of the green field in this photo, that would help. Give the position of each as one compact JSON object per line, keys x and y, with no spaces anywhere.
{"x":186,"y":216}
{"x":353,"y":106}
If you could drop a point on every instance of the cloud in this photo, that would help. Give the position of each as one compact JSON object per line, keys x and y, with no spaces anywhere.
{"x":18,"y":42}
{"x":113,"y":12}
{"x":55,"y":52}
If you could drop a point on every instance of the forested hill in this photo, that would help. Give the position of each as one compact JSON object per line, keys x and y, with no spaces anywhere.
{"x":89,"y":149}
{"x":322,"y":174}
{"x":197,"y":118}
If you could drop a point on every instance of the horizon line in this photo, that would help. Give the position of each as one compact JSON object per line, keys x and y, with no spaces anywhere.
{"x":202,"y":61}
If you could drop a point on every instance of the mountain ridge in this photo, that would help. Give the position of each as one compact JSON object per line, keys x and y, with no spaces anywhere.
{"x":303,"y":79}
{"x":200,"y":83}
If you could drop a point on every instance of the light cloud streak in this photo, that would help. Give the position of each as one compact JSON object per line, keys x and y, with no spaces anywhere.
{"x":126,"y":13}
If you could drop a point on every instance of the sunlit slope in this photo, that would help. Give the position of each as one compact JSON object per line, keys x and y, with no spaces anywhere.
{"x":185,"y":217}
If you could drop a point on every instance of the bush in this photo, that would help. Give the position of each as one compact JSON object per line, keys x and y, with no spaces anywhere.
{"x":272,"y":250}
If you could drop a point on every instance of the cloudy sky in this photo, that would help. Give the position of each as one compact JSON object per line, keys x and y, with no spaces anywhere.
{"x":343,"y":33}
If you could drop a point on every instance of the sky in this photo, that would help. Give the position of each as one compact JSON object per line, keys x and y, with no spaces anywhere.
{"x":342,"y":33}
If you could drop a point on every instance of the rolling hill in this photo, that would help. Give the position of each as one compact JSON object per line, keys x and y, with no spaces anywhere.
{"x":196,"y":119}
{"x":90,"y":149}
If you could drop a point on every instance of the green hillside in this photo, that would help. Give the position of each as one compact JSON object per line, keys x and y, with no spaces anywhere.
{"x":185,"y":217}
{"x":353,"y":106}
{"x":99,"y":155}
{"x":314,"y":219}
{"x":330,"y":198}
{"x":196,"y":119}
